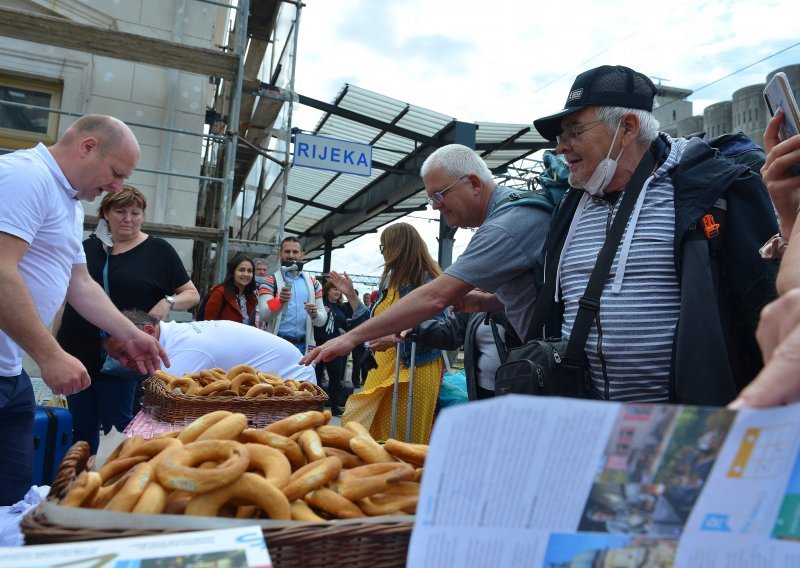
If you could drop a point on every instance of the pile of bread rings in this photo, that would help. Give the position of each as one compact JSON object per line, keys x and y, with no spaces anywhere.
{"x":241,"y":380}
{"x":299,"y":468}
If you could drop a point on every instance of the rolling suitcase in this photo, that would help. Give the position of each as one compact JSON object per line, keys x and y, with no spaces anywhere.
{"x":52,"y":437}
{"x":395,"y":392}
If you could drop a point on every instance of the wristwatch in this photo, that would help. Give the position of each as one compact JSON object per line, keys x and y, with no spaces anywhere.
{"x":774,"y":248}
{"x":170,"y":300}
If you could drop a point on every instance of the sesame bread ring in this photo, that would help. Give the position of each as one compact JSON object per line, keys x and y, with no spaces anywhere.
{"x":134,"y":487}
{"x":272,"y":464}
{"x":302,"y":512}
{"x":349,"y":460}
{"x":283,"y":390}
{"x":312,"y":446}
{"x":250,"y":488}
{"x":414,"y":454}
{"x":370,"y":451}
{"x":115,"y":468}
{"x":177,"y":470}
{"x":194,"y":429}
{"x":310,"y":387}
{"x":290,"y":448}
{"x":238,"y":369}
{"x":83,"y":489}
{"x":296,"y":422}
{"x":216,"y":386}
{"x":153,"y":500}
{"x":334,"y":504}
{"x":258,"y":390}
{"x":243,"y":382}
{"x":335,"y":436}
{"x":183,"y":384}
{"x":228,"y":428}
{"x":366,"y":480}
{"x":312,"y":476}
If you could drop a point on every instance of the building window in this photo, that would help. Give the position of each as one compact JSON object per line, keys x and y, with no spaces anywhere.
{"x":24,"y":127}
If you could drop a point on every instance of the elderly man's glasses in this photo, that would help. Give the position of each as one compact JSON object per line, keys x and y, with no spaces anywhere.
{"x":437,"y":197}
{"x":572,"y":134}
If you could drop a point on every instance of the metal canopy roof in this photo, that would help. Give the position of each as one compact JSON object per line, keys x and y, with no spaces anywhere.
{"x":324,"y":206}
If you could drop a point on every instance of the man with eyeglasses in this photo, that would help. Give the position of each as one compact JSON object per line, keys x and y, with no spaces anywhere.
{"x":676,"y":319}
{"x":498,"y":261}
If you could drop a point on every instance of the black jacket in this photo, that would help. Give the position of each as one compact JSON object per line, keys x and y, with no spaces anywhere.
{"x":724,"y":282}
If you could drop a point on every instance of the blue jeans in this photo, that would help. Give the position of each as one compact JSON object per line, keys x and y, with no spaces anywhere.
{"x":108,"y":402}
{"x":17,"y":407}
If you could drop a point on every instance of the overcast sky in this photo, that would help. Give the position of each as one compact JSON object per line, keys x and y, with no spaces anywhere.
{"x":513,"y":61}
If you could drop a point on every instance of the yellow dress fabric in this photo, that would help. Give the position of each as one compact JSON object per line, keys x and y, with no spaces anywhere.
{"x":372,"y":407}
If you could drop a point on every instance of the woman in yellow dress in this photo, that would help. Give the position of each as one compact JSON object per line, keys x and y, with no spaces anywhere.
{"x":407,"y":265}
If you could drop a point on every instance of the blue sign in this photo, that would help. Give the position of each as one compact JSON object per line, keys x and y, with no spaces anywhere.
{"x":332,"y":154}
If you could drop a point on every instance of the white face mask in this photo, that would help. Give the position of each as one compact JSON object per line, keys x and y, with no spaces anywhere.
{"x":598,"y":182}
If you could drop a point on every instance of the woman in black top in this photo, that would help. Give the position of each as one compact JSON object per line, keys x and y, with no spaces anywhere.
{"x":144,"y":273}
{"x":335,"y":325}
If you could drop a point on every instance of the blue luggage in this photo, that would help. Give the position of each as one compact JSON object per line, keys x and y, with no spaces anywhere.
{"x":52,"y":437}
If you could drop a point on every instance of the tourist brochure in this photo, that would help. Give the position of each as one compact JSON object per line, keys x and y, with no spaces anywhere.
{"x":532,"y":481}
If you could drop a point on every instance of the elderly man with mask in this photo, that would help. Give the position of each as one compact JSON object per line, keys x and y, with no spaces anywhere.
{"x":677,"y":315}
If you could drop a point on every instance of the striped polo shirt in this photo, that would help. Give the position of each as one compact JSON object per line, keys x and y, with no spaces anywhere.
{"x":630,"y":351}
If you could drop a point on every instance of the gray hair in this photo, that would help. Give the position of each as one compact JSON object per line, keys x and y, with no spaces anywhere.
{"x":648,"y":125}
{"x":260,"y":260}
{"x":457,"y":161}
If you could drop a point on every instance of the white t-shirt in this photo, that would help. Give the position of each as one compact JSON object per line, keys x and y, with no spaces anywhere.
{"x":197,"y":345}
{"x":38,"y":205}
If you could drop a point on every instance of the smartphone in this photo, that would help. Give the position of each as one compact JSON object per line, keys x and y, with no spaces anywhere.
{"x":778,"y":94}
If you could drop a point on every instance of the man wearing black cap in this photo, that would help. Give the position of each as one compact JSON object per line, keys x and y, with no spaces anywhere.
{"x":678,"y":311}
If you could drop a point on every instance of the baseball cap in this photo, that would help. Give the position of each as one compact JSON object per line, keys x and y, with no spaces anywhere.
{"x":607,"y":85}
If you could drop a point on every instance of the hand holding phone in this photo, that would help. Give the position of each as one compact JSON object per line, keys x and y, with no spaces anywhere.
{"x":778,"y":95}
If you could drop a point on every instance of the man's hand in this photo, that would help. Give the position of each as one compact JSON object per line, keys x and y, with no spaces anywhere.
{"x":64,"y":374}
{"x":778,"y":336}
{"x":473,"y":302}
{"x":161,"y":310}
{"x":311,"y":309}
{"x":285,"y":294}
{"x":143,"y":353}
{"x":336,"y":347}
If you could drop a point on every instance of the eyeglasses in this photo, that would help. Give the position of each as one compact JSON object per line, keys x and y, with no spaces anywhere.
{"x":572,"y":134}
{"x":437,"y":197}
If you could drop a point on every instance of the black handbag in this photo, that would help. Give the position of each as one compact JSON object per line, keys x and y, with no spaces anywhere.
{"x":557,"y":366}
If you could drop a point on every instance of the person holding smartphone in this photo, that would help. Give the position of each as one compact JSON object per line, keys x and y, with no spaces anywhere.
{"x":778,"y":331}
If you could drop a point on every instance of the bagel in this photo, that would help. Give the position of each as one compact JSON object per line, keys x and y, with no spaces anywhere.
{"x":134,"y":487}
{"x":271,"y":463}
{"x":292,"y":384}
{"x":152,"y":448}
{"x":165,"y":377}
{"x":370,"y":451}
{"x":283,"y":390}
{"x":153,"y":500}
{"x":250,"y":488}
{"x":269,"y":377}
{"x":312,"y":445}
{"x":243,"y":381}
{"x":239,"y":369}
{"x":107,"y":492}
{"x":383,"y":504}
{"x":302,"y":512}
{"x":215,"y":386}
{"x":193,"y":430}
{"x":310,"y":387}
{"x":312,"y":476}
{"x":366,"y":480}
{"x":349,"y":459}
{"x":296,"y":422}
{"x":301,"y":394}
{"x":334,"y":504}
{"x":83,"y":489}
{"x":115,"y":468}
{"x":177,"y":469}
{"x":335,"y":436}
{"x":183,"y":384}
{"x":414,"y":454}
{"x":228,"y":428}
{"x":291,"y":449}
{"x":259,"y":389}
{"x":124,"y":446}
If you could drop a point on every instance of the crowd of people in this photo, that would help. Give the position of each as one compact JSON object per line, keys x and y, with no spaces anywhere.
{"x":701,"y":304}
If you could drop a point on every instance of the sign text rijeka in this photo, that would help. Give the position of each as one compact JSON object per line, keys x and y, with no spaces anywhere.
{"x":332,"y":154}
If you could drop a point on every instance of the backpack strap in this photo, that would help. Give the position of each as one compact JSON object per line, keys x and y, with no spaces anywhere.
{"x":538,"y":198}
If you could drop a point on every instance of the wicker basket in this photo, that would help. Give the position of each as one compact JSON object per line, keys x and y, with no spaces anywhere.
{"x":182,"y":409}
{"x":310,"y":545}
